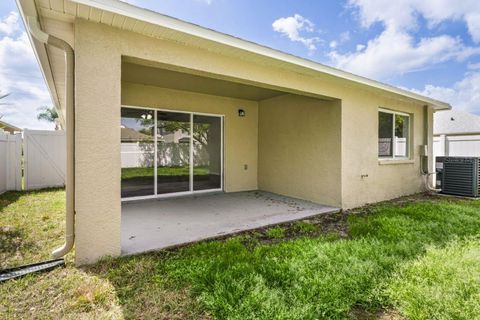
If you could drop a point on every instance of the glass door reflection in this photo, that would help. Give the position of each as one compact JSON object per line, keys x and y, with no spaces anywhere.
{"x":137,"y":152}
{"x":207,"y":152}
{"x":173,"y":152}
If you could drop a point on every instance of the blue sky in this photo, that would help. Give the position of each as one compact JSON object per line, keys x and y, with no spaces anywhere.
{"x":429,"y":46}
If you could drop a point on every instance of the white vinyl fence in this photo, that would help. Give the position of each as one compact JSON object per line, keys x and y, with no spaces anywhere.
{"x":385,"y":146}
{"x":10,"y":161}
{"x":456,"y":146}
{"x":137,"y":154}
{"x":44,"y":159}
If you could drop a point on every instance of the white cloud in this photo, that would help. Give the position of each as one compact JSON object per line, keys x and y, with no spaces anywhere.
{"x":20,"y":76}
{"x":473,"y":66}
{"x":473,"y":23}
{"x":463,"y":95}
{"x":343,"y":37}
{"x":9,"y":24}
{"x":292,"y":26}
{"x":395,"y":52}
{"x":360,"y":47}
{"x":403,"y":15}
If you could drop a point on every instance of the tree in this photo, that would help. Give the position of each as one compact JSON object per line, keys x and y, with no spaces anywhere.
{"x":1,"y":97}
{"x":200,"y":130}
{"x":49,"y":115}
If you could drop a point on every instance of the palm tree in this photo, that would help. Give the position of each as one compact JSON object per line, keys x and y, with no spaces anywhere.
{"x":1,"y":97}
{"x":49,"y":115}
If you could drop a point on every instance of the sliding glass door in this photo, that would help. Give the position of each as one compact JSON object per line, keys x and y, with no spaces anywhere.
{"x":168,"y":153}
{"x":138,"y":152}
{"x":173,"y":152}
{"x":207,"y":152}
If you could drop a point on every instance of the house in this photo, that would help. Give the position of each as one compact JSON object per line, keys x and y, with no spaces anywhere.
{"x":262,"y":119}
{"x":7,"y":127}
{"x":456,"y":133}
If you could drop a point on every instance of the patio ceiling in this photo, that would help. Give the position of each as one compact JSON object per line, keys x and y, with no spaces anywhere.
{"x":165,"y":78}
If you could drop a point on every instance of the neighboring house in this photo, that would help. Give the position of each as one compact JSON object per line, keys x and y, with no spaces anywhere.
{"x":268,"y":120}
{"x":456,"y":133}
{"x":7,"y":127}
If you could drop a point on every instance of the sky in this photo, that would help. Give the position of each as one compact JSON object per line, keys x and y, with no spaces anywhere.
{"x":431,"y":47}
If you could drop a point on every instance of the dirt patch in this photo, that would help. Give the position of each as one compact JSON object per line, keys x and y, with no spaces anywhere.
{"x":360,"y":313}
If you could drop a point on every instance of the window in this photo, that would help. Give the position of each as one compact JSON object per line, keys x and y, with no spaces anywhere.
{"x":393,"y":135}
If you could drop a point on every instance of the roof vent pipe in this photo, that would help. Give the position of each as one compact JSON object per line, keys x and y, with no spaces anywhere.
{"x":37,"y":33}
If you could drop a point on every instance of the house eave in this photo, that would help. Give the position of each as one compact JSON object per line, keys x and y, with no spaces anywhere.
{"x":4,"y":125}
{"x":28,"y":8}
{"x":207,"y":35}
{"x":134,"y":12}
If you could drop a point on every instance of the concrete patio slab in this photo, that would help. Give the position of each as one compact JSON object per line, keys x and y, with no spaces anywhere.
{"x":158,"y":224}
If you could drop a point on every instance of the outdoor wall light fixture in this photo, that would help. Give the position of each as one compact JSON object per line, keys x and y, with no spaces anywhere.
{"x":241,"y":113}
{"x":146,"y":116}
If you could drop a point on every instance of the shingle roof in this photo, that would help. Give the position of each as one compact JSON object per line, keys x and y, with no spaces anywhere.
{"x":455,"y":122}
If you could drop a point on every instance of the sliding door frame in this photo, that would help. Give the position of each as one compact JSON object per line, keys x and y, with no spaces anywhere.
{"x":191,"y":167}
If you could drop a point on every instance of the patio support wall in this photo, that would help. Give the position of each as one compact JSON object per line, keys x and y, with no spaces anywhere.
{"x":300,"y":148}
{"x":97,"y":142}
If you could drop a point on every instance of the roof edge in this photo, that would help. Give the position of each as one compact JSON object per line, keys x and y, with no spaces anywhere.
{"x":6,"y":124}
{"x":40,"y":51}
{"x":149,"y":16}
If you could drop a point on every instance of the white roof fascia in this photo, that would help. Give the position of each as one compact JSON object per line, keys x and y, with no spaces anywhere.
{"x":134,"y":12}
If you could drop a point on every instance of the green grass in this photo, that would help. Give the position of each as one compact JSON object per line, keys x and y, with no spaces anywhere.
{"x":30,"y":224}
{"x":443,"y":284}
{"x":129,"y":173}
{"x":304,"y":227}
{"x":416,"y":258}
{"x":275,"y":233}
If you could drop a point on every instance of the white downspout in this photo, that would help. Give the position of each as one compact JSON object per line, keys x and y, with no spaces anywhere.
{"x":43,"y":37}
{"x":426,"y":158}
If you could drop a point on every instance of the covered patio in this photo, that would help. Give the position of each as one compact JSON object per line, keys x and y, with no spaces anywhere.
{"x":158,"y":224}
{"x":195,"y":148}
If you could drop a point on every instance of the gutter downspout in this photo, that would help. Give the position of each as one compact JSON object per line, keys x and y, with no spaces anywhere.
{"x":45,"y":38}
{"x":425,"y":160}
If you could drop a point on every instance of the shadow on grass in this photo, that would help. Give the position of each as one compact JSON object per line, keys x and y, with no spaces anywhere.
{"x":21,"y":232}
{"x":312,"y":276}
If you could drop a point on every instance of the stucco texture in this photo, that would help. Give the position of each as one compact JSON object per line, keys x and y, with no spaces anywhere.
{"x":300,"y":148}
{"x":303,"y":147}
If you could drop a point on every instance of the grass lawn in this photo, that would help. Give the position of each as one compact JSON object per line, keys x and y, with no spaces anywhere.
{"x":414,"y":258}
{"x":129,"y":173}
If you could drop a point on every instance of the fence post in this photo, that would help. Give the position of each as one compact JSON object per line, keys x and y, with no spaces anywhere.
{"x":25,"y":159}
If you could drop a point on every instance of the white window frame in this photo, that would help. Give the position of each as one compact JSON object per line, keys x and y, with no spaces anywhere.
{"x":394,"y":144}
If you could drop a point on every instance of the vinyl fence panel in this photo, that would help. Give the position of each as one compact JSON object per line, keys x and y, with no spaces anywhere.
{"x":457,"y":146}
{"x":44,"y":159}
{"x":10,"y":162}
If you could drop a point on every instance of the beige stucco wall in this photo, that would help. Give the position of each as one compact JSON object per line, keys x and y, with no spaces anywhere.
{"x":240,"y":133}
{"x":300,"y":148}
{"x":386,"y":179}
{"x":97,"y":146}
{"x":99,"y":50}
